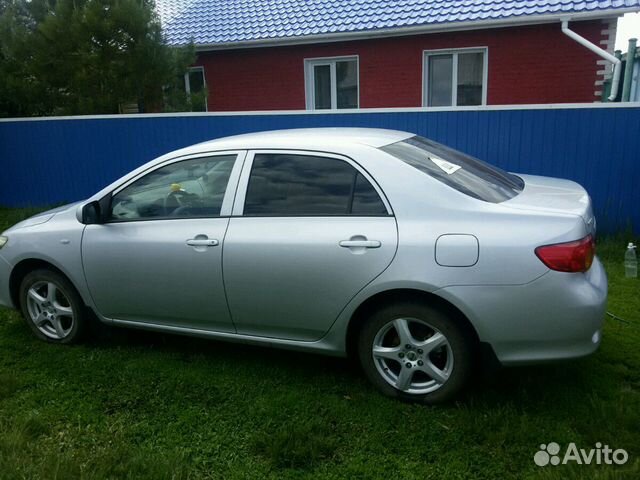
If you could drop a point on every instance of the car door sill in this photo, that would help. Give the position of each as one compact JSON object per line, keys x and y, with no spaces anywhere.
{"x":318,"y":346}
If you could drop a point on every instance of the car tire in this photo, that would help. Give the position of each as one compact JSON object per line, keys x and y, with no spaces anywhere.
{"x":52,"y":307}
{"x":436,"y":355}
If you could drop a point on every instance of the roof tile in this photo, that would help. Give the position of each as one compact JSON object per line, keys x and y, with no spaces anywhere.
{"x":208,"y":22}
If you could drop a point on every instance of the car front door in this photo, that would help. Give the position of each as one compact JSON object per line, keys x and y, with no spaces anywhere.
{"x":308,"y":232}
{"x":158,"y":257}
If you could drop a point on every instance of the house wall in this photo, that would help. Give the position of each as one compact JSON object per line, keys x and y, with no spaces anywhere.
{"x":532,"y":64}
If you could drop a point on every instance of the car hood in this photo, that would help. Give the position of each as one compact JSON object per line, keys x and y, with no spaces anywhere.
{"x":42,"y":217}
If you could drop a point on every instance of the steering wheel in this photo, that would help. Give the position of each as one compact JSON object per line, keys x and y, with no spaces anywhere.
{"x":174,"y":200}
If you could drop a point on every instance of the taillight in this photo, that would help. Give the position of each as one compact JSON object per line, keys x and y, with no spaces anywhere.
{"x":574,"y":256}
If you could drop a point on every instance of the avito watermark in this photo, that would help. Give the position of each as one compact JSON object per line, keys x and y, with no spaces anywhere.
{"x":550,"y":454}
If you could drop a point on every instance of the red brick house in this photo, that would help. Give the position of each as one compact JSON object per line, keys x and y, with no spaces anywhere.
{"x":335,"y":54}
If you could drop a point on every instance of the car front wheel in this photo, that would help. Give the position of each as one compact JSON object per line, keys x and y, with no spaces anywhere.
{"x":416,"y":352}
{"x":52,"y":307}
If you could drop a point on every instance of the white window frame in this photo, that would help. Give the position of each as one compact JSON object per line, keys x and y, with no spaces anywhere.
{"x":454,"y":80}
{"x":187,"y":83}
{"x":310,"y":63}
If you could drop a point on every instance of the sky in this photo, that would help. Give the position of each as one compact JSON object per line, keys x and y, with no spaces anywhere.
{"x":628,"y":27}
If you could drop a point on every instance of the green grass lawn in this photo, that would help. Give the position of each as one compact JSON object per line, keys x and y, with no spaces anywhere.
{"x":136,"y":405}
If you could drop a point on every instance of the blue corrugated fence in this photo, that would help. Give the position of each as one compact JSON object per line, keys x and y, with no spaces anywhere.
{"x":48,"y":161}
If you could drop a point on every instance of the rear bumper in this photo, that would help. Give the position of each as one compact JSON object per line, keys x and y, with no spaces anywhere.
{"x":5,"y":294}
{"x":556,"y":317}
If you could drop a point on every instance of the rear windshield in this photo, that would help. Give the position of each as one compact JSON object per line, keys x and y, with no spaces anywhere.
{"x":466,"y":174}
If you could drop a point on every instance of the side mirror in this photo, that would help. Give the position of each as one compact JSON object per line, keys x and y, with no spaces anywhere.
{"x":91,"y":213}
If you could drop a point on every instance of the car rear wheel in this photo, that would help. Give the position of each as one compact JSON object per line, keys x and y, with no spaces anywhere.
{"x":416,"y":352}
{"x":52,"y":307}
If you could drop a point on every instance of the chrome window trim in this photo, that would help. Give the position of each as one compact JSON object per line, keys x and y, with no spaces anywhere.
{"x":229,"y":194}
{"x":238,"y":205}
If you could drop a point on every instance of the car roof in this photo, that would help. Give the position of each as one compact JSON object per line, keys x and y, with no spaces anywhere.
{"x":333,"y":140}
{"x":308,"y":138}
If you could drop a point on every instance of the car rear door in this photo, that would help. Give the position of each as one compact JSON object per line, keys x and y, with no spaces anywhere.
{"x":308,"y":231}
{"x":158,"y":258}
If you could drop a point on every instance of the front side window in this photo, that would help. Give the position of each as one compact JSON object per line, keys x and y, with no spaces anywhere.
{"x":455,"y":78}
{"x":187,"y":189}
{"x":331,"y":83}
{"x":290,"y":185}
{"x":458,"y":170}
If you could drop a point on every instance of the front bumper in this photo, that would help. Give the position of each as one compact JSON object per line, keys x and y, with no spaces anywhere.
{"x":556,"y":317}
{"x":5,"y":273}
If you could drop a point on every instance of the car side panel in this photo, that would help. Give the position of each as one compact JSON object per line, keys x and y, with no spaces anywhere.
{"x":558,"y":316}
{"x":56,"y":242}
{"x":289,"y":278}
{"x":5,"y":294}
{"x":145,"y":271}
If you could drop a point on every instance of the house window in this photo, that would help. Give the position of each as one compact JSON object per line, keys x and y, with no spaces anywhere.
{"x":455,"y":77}
{"x":332,"y":83}
{"x":195,"y":86}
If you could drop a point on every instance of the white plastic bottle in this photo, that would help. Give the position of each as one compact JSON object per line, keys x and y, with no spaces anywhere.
{"x":630,"y":262}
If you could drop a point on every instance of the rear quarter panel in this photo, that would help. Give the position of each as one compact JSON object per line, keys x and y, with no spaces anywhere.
{"x":425,"y":209}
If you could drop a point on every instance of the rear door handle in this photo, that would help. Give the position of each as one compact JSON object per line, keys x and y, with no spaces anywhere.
{"x":360,"y":243}
{"x":202,"y":242}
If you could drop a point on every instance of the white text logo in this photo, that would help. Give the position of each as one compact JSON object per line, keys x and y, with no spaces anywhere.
{"x":549,"y":454}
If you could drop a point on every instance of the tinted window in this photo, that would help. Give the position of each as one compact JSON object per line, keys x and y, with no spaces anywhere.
{"x":458,"y":170}
{"x":192,"y":188}
{"x":282,"y":184}
{"x":366,"y":200}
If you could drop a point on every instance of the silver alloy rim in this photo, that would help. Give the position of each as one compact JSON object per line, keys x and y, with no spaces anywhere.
{"x":50,"y":310}
{"x":412,"y":356}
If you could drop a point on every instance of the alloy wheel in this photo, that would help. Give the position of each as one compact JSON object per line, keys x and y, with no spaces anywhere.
{"x":412,"y":356}
{"x":50,"y":310}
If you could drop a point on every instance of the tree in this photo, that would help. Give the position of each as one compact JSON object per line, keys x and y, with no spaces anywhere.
{"x":69,"y":57}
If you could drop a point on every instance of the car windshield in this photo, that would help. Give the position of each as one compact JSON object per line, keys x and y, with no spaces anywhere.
{"x":458,"y":170}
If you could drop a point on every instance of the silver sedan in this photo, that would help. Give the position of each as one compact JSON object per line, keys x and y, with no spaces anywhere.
{"x":390,"y":248}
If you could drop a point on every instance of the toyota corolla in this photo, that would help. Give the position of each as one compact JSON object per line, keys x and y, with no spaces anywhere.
{"x":415,"y":259}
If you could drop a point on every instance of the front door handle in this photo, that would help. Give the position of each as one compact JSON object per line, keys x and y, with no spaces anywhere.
{"x":360,"y":243}
{"x":202,"y":242}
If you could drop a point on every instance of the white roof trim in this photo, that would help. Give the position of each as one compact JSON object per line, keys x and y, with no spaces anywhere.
{"x":419,"y":29}
{"x":545,"y":106}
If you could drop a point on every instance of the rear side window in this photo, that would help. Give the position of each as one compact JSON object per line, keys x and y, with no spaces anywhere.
{"x":289,"y":185}
{"x":458,"y":170}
